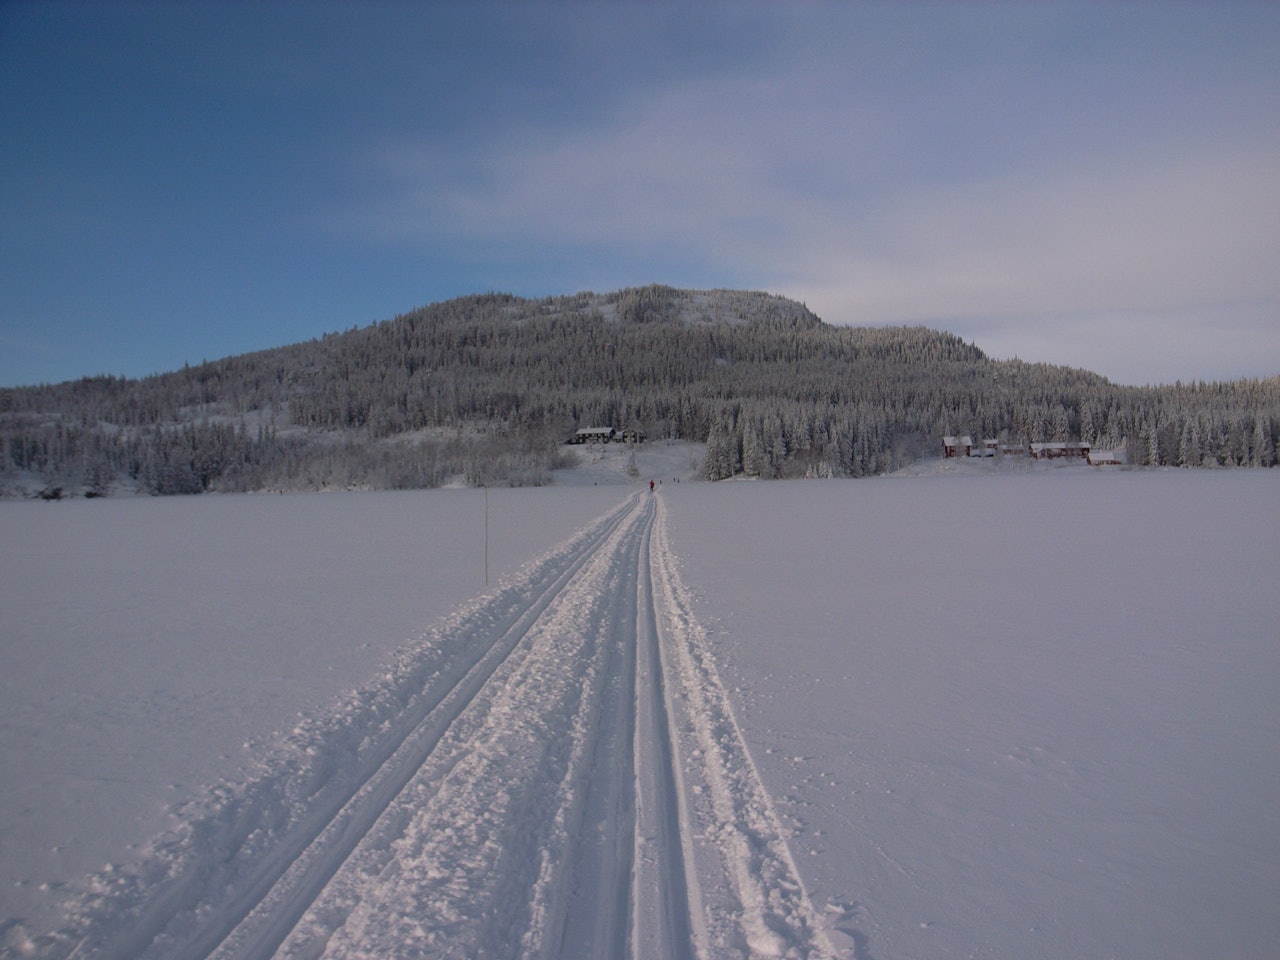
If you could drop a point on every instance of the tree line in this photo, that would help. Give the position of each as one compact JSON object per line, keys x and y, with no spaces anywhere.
{"x":486,"y":388}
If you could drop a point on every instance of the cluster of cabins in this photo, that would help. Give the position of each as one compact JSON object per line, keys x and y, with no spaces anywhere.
{"x":606,"y":435}
{"x":1064,"y":450}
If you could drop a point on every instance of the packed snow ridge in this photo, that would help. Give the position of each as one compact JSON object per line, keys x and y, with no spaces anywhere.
{"x":554,"y":771}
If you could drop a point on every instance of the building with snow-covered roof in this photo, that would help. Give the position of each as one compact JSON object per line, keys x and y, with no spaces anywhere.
{"x":593,"y":435}
{"x":1061,"y":450}
{"x":1106,"y":458}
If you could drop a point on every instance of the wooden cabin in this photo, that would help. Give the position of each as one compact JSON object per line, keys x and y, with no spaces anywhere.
{"x":593,"y":435}
{"x":1106,"y":458}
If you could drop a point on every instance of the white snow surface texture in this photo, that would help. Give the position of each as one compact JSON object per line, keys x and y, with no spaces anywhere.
{"x":921,"y":717}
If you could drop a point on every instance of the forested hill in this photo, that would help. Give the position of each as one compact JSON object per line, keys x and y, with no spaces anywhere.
{"x":489,"y":387}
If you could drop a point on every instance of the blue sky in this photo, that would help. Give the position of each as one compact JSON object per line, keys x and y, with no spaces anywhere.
{"x":1095,"y":184}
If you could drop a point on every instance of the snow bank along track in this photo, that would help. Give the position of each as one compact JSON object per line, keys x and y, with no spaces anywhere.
{"x":554,"y":771}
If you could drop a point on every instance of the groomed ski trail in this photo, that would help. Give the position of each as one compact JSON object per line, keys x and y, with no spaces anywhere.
{"x":555,"y":772}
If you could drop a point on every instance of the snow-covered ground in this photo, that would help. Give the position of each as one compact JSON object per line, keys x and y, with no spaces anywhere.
{"x":1011,"y":716}
{"x":1015,"y":715}
{"x":150,"y":647}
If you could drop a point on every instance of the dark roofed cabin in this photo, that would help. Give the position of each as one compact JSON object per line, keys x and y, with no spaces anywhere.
{"x":593,"y":435}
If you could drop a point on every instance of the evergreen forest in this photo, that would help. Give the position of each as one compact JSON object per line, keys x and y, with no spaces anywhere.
{"x":488,"y":388}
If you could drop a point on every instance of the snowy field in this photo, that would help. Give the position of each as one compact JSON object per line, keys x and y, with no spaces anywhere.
{"x":919,"y":717}
{"x":1012,"y":716}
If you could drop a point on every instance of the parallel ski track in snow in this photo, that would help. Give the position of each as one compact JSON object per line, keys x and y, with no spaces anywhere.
{"x":559,"y":774}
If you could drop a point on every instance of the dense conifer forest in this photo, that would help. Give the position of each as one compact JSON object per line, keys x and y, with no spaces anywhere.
{"x":488,"y":388}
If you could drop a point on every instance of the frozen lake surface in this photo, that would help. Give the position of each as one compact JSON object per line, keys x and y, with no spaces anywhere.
{"x":1031,"y":716}
{"x":990,"y":716}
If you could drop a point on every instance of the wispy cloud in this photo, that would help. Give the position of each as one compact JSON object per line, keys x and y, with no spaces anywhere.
{"x":948,"y":178}
{"x":972,"y":166}
{"x":726,"y":174}
{"x":688,"y":164}
{"x":1150,"y":233}
{"x":1213,"y":342}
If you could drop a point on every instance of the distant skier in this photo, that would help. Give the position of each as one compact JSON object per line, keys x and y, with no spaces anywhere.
{"x":651,"y":486}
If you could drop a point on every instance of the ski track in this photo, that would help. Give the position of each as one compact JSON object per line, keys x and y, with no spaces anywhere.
{"x":555,"y":771}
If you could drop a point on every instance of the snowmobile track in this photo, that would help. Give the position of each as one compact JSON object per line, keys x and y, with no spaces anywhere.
{"x":559,"y":776}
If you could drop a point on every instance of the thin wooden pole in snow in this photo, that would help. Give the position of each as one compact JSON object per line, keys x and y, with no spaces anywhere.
{"x":486,"y":535}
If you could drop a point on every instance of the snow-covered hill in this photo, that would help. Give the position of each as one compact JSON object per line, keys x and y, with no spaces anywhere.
{"x":488,"y":388}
